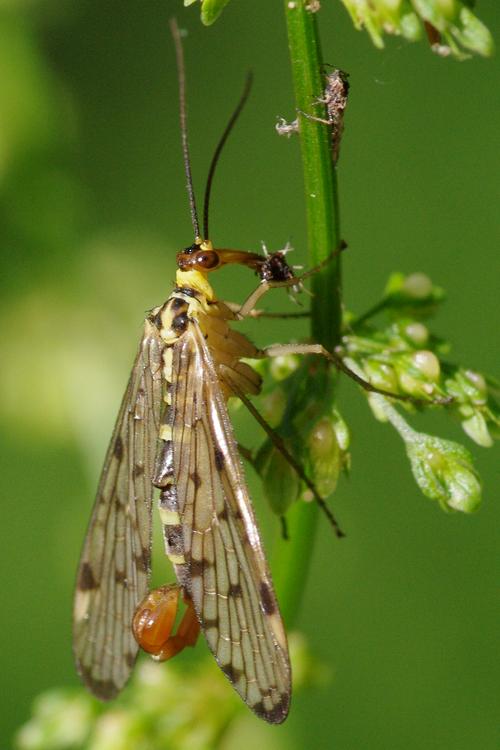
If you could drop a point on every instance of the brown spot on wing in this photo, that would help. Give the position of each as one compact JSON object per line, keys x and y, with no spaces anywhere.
{"x":196,"y":567}
{"x":233,"y":673}
{"x":196,"y":479}
{"x":120,"y":577}
{"x":278,"y":713}
{"x":235,"y":590}
{"x":118,"y":448}
{"x":210,"y":622}
{"x":267,"y":599}
{"x":219,"y":459}
{"x":130,"y":659}
{"x":86,"y":580}
{"x":143,"y":560}
{"x":138,"y":470}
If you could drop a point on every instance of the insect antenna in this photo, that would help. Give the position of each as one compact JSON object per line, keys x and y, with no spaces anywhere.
{"x":181,"y":72}
{"x":220,"y":146}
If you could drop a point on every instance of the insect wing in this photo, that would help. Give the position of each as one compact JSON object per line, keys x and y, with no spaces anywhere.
{"x":229,"y":579}
{"x":115,"y":562}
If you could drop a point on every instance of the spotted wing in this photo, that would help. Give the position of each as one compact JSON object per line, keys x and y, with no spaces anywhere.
{"x":115,"y":562}
{"x":229,"y":579}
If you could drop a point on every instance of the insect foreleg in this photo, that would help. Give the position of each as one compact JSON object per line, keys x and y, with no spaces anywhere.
{"x":279,"y":444}
{"x":154,"y":620}
{"x":248,"y":308}
{"x":257,"y":313}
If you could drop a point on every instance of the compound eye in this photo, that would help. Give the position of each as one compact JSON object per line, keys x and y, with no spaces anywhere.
{"x":207,"y":259}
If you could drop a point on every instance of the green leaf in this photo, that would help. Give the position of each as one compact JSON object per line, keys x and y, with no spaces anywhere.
{"x":473,"y":34}
{"x":211,"y":10}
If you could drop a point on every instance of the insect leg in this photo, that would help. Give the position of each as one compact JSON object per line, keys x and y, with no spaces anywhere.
{"x":256,"y":313}
{"x":249,"y":305}
{"x":154,"y":621}
{"x":279,"y":444}
{"x":314,"y":118}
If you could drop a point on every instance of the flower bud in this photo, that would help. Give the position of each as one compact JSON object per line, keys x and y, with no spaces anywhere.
{"x":444,"y":472}
{"x":324,"y":456}
{"x":427,"y":363}
{"x":280,"y":482}
{"x":477,"y":429}
{"x":417,"y":286}
{"x":272,"y":406}
{"x":381,"y":375}
{"x":418,"y":373}
{"x":328,"y":445}
{"x":447,"y":9}
{"x":60,"y":719}
{"x":414,"y":293}
{"x":416,"y":333}
{"x":467,"y":385}
{"x":283,"y":366}
{"x":342,"y":431}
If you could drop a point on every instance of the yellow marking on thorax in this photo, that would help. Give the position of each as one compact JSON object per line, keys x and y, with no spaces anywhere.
{"x":196,"y":280}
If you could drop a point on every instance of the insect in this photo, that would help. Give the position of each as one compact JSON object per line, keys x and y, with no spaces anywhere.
{"x":334,"y":97}
{"x":173,"y":433}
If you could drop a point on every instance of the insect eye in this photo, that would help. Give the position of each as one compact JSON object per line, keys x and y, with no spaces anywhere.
{"x":207,"y":259}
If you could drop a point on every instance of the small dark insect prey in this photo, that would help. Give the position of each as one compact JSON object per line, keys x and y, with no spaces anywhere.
{"x":173,"y":433}
{"x":275,"y":267}
{"x":334,"y":98}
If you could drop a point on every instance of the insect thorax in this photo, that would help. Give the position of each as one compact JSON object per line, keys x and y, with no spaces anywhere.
{"x":195,"y":304}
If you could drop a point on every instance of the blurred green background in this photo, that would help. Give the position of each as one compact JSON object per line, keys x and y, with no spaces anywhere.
{"x":404,"y":611}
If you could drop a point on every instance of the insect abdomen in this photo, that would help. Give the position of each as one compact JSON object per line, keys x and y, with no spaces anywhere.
{"x":164,"y":479}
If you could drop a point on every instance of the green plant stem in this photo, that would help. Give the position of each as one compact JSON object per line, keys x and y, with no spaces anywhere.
{"x":323,"y":232}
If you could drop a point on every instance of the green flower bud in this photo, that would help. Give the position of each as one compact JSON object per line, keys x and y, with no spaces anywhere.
{"x":60,"y":719}
{"x":467,"y":385}
{"x":427,"y":363}
{"x":417,"y":286}
{"x":376,"y":407}
{"x":283,"y":366}
{"x":390,"y":6}
{"x":381,"y":375}
{"x":476,"y":428}
{"x":444,"y":472}
{"x":115,"y":728}
{"x":478,"y":383}
{"x":418,"y":373}
{"x":415,"y":293}
{"x":328,"y":452}
{"x":341,"y":431}
{"x":272,"y":406}
{"x":280,"y":482}
{"x":410,"y":27}
{"x":416,"y":333}
{"x":324,"y":456}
